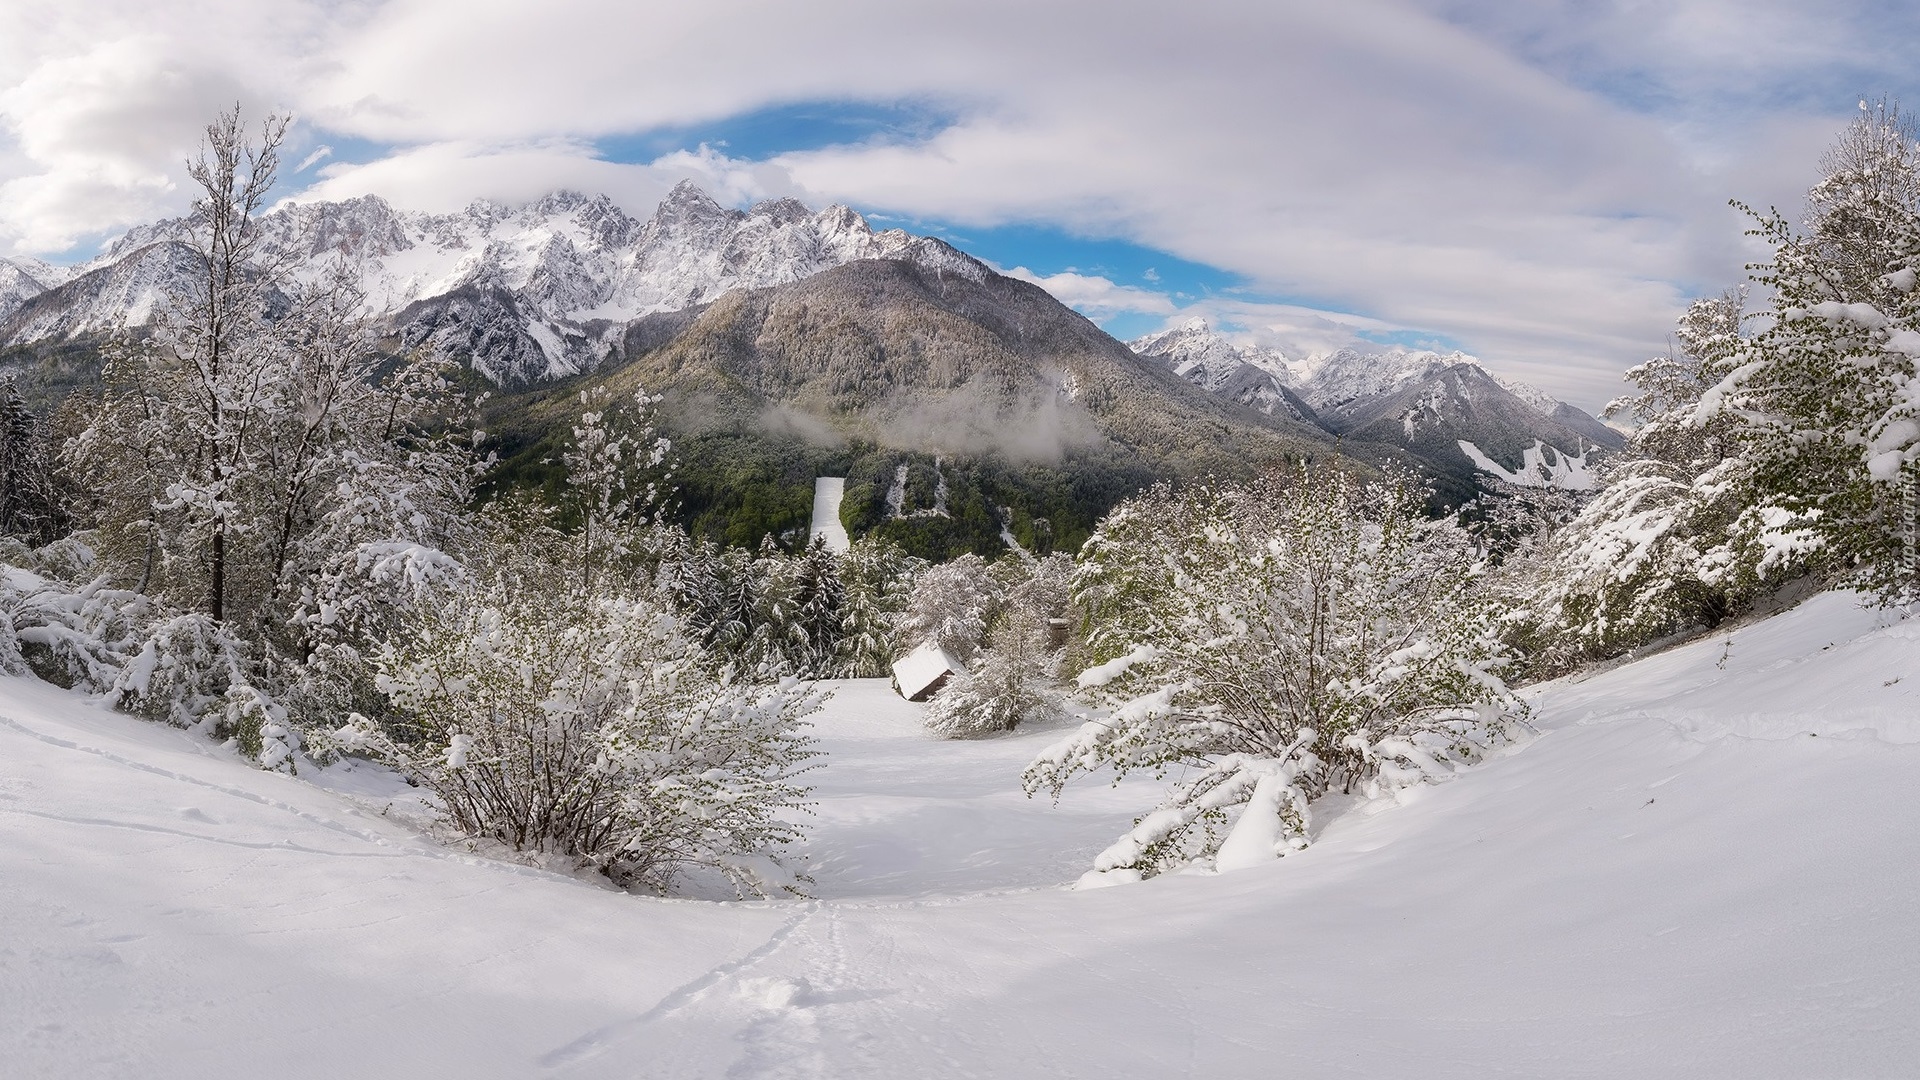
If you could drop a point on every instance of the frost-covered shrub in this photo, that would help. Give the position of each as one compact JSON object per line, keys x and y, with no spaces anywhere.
{"x":1274,"y":643}
{"x":594,"y":727}
{"x":192,"y":672}
{"x":551,"y":694}
{"x":1001,"y":692}
{"x":77,"y":637}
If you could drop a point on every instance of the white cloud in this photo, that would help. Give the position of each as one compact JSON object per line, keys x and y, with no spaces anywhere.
{"x":1543,"y":183}
{"x":446,"y":176}
{"x":1095,"y":296}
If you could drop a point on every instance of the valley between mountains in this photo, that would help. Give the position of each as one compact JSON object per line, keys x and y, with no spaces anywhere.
{"x":789,"y":343}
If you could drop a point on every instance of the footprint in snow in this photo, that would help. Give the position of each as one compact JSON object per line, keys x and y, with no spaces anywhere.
{"x":775,"y":992}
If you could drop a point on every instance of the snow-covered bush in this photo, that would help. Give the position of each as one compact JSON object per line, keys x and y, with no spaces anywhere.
{"x":1273,"y":643}
{"x":589,"y":725}
{"x":999,"y":693}
{"x":75,"y":636}
{"x":192,"y":673}
{"x":550,"y":693}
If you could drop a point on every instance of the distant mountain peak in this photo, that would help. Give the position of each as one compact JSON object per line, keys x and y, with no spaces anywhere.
{"x":1255,"y":377}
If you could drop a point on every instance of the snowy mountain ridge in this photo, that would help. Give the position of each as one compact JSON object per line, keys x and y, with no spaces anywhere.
{"x":1198,"y":354}
{"x":526,"y":293}
{"x":1446,"y":408}
{"x":1254,"y":376}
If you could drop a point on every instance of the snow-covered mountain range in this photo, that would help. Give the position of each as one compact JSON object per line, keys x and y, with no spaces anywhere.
{"x":529,"y":294}
{"x":1256,"y":377}
{"x":1446,"y":408}
{"x":524,"y":294}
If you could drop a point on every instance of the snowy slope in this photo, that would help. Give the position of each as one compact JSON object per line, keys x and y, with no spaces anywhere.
{"x":1541,"y":466}
{"x":1707,"y":865}
{"x":828,"y":493}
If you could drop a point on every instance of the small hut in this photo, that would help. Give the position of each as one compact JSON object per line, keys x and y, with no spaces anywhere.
{"x":921,"y":673}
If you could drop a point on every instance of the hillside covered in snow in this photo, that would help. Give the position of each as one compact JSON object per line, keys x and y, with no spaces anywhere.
{"x":1703,"y":865}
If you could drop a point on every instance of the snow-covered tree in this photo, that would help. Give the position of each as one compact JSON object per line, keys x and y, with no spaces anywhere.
{"x":1014,"y":678}
{"x":1681,"y":533}
{"x":814,"y":628}
{"x":34,"y":502}
{"x":952,"y":606}
{"x":1274,"y":642}
{"x":251,"y":437}
{"x":879,"y":578}
{"x":1826,"y":398}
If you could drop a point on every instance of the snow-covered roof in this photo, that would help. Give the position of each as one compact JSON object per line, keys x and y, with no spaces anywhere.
{"x":923,"y":671}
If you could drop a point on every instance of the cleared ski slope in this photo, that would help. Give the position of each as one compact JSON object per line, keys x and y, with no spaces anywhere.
{"x":1707,"y":865}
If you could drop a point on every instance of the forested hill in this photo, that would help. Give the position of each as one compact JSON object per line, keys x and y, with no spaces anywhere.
{"x":907,"y":380}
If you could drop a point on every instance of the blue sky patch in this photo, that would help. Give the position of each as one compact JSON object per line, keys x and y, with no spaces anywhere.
{"x":783,"y":129}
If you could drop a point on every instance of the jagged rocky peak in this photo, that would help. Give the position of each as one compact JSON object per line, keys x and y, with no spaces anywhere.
{"x":559,"y":271}
{"x":1350,"y":376}
{"x":1195,"y":351}
{"x":1253,"y":376}
{"x":17,"y":286}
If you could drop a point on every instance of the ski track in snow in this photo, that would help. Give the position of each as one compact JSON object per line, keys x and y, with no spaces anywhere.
{"x":1706,"y":865}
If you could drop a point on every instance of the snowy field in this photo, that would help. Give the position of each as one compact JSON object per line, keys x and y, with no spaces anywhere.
{"x":1706,"y":865}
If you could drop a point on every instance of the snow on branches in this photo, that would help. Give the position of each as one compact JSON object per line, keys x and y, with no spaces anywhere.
{"x":592,"y":727}
{"x":1826,"y":399}
{"x":1276,"y":642}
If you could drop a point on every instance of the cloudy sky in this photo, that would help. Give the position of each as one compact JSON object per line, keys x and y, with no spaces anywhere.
{"x":1543,"y":184}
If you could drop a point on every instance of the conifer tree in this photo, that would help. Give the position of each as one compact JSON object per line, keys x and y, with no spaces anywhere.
{"x":33,"y":500}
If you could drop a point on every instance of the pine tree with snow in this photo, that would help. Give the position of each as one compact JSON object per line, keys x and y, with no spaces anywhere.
{"x":880,"y":579}
{"x":816,"y":622}
{"x":1827,"y":397}
{"x":33,"y":499}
